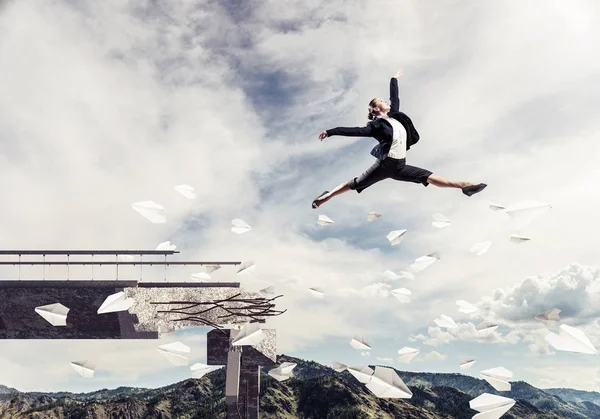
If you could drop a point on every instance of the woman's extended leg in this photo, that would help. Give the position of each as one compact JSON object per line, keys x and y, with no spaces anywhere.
{"x":340,"y":189}
{"x":468,"y":188}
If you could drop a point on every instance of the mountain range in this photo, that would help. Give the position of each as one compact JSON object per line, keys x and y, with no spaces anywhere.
{"x":314,"y":392}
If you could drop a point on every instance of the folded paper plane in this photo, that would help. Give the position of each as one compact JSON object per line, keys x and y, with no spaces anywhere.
{"x":205,"y":273}
{"x":385,"y":383}
{"x":440,"y":221}
{"x":282,"y":372}
{"x":316,"y":292}
{"x":486,"y":328}
{"x":480,"y":248}
{"x":186,"y":190}
{"x":491,"y":406}
{"x":239,"y":226}
{"x":445,"y":322}
{"x":465,"y":365}
{"x":373,"y":215}
{"x":152,"y":211}
{"x":549,"y":317}
{"x":116,"y":302}
{"x":200,"y":370}
{"x":246,"y":267}
{"x":519,"y":239}
{"x":498,"y":378}
{"x":55,"y":314}
{"x":396,"y":236}
{"x":571,"y":339}
{"x":268,"y":292}
{"x":358,"y":342}
{"x":402,"y":294}
{"x":83,"y":368}
{"x":407,"y":354}
{"x":361,"y":373}
{"x":175,"y":353}
{"x":250,"y":334}
{"x":423,"y":262}
{"x":339,"y":367}
{"x":497,"y":207}
{"x":324,"y":220}
{"x":465,"y":307}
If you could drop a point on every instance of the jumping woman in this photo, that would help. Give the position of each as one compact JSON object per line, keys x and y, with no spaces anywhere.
{"x":395,"y":132}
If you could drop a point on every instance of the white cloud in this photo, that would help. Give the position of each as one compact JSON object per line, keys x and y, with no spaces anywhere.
{"x":434,"y":356}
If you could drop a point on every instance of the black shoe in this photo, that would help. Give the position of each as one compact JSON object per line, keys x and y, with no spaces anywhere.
{"x":314,"y":203}
{"x":472,"y":190}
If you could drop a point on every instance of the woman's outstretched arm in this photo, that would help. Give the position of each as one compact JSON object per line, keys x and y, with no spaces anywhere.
{"x":348,"y":132}
{"x":394,"y":96}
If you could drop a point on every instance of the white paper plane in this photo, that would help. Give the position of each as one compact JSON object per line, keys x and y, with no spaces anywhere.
{"x":423,"y":262}
{"x":402,"y":294}
{"x":316,"y":292}
{"x":497,"y":207}
{"x":282,"y":372}
{"x":445,"y":322}
{"x":486,"y":328}
{"x":519,"y":239}
{"x":55,"y":314}
{"x":116,"y":302}
{"x":396,"y":236}
{"x":498,"y":378}
{"x":491,"y":406}
{"x":166,"y":246}
{"x":268,"y":292}
{"x":480,"y":248}
{"x":358,"y":342}
{"x":239,"y":226}
{"x":200,"y":370}
{"x":152,"y":211}
{"x":549,"y":317}
{"x":407,"y":354}
{"x":440,"y":221}
{"x":373,"y":215}
{"x":246,"y":267}
{"x":205,"y":273}
{"x":393,"y":276}
{"x":571,"y":339}
{"x":527,"y":209}
{"x":186,"y":190}
{"x":83,"y":368}
{"x":465,"y":365}
{"x":339,"y":367}
{"x":250,"y":334}
{"x":385,"y":383}
{"x":174,"y":352}
{"x":324,"y":220}
{"x":465,"y":307}
{"x":361,"y":373}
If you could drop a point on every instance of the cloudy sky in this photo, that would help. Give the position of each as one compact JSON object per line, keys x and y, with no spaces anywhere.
{"x":103,"y":104}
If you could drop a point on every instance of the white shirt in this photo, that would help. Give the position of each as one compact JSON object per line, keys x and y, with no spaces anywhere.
{"x":398,"y":147}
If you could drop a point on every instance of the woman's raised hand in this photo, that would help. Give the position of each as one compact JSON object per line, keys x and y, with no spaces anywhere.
{"x":399,"y":73}
{"x":323,"y":135}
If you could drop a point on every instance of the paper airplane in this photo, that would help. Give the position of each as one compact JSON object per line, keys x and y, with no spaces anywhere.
{"x":407,"y":354}
{"x":498,"y":378}
{"x":55,"y":314}
{"x":166,"y":246}
{"x":497,"y":207}
{"x":239,"y":226}
{"x":486,"y":328}
{"x":480,"y":248}
{"x":204,"y":274}
{"x":362,"y":373}
{"x":174,"y":352}
{"x":491,"y":406}
{"x":440,"y":221}
{"x":324,"y":220}
{"x":519,"y":239}
{"x":445,"y":321}
{"x":116,"y":302}
{"x":268,"y":292}
{"x":396,"y":236}
{"x":250,"y":334}
{"x":186,"y":190}
{"x":373,"y":215}
{"x":83,"y":368}
{"x":571,"y":339}
{"x":316,"y":292}
{"x":246,"y":267}
{"x":465,"y":365}
{"x":151,"y":211}
{"x":465,"y":307}
{"x":200,"y":370}
{"x":549,"y":317}
{"x":339,"y":367}
{"x":423,"y":262}
{"x":282,"y":372}
{"x":402,"y":294}
{"x":393,"y":276}
{"x":385,"y":383}
{"x":358,"y":342}
{"x":527,"y":209}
